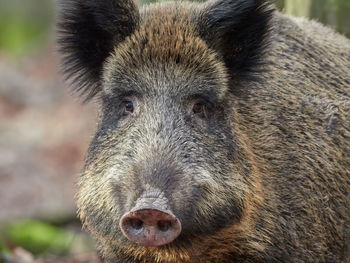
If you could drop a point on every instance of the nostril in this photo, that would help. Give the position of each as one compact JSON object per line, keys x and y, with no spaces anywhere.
{"x":150,"y":227}
{"x":164,"y":225}
{"x":135,"y":223}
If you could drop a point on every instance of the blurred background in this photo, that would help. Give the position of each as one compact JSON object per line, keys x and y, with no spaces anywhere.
{"x":44,"y":132}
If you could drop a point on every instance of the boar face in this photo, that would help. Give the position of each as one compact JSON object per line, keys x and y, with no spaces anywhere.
{"x":166,"y":139}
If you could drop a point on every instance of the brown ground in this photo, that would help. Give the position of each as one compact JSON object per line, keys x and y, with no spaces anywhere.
{"x":44,"y":134}
{"x":22,"y":256}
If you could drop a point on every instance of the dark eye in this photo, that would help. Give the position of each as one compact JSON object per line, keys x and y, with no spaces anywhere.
{"x":128,"y":107}
{"x":198,"y":108}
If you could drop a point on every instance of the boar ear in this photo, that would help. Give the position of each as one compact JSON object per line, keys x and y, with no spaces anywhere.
{"x":238,"y":30}
{"x":88,"y":32}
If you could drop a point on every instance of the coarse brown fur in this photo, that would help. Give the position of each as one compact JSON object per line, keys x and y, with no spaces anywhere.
{"x":263,"y":175}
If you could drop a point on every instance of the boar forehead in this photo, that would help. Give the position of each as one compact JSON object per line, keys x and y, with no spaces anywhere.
{"x":165,"y":54}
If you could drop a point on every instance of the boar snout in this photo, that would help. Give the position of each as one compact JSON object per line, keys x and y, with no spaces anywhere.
{"x":150,"y":227}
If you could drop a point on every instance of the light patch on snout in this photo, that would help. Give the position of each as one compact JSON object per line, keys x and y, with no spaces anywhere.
{"x":112,"y":173}
{"x":204,"y":176}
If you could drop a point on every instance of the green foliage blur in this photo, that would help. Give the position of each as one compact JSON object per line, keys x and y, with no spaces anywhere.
{"x":38,"y":237}
{"x":25,"y":25}
{"x":41,"y":239}
{"x":28,"y":25}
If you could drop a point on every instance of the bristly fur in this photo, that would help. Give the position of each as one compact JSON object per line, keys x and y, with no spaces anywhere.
{"x":88,"y":33}
{"x":263,"y":177}
{"x":238,"y":30}
{"x":90,"y":30}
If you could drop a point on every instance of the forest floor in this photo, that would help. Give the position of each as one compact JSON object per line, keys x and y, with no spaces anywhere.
{"x":44,"y":134}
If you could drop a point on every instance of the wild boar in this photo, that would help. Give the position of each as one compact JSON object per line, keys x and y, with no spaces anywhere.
{"x":224,"y":131}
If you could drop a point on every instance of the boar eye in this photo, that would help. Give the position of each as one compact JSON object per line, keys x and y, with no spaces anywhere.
{"x":128,"y":107}
{"x":198,"y":108}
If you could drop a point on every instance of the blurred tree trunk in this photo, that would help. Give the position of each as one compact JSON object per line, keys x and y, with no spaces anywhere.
{"x":343,"y":24}
{"x":326,"y":11}
{"x":298,"y":7}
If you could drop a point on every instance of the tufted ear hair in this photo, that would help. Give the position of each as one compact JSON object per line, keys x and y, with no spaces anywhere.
{"x":88,"y":32}
{"x":238,"y":31}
